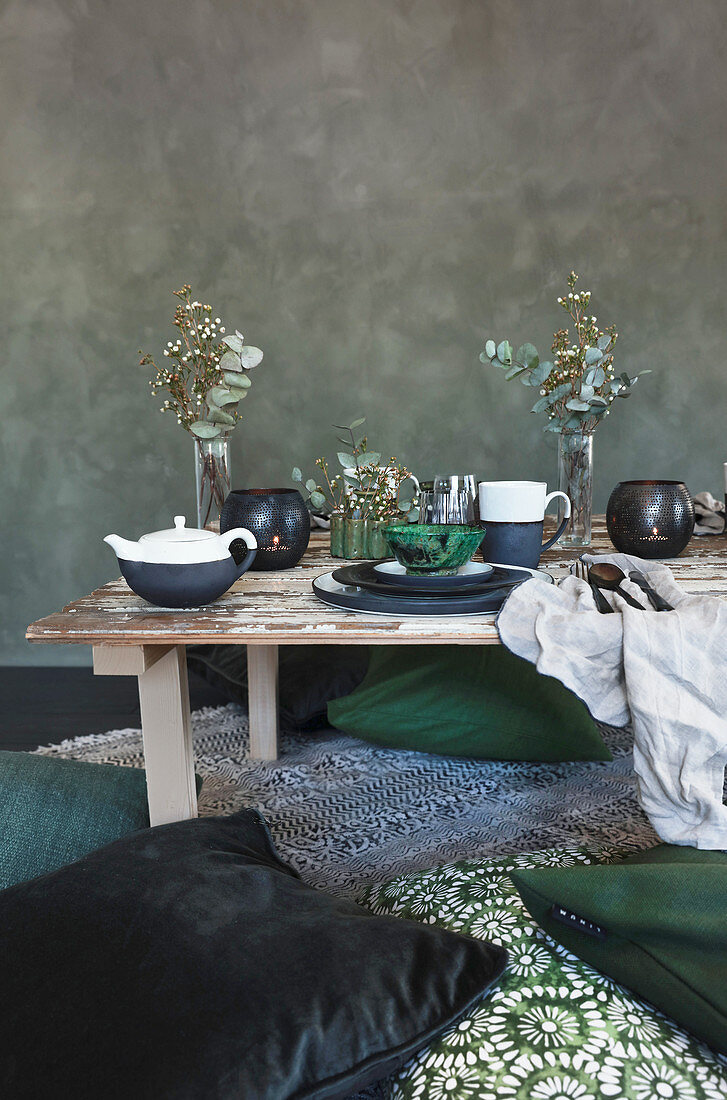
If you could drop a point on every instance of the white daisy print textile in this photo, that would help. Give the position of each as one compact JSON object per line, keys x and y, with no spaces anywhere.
{"x":552,"y":1028}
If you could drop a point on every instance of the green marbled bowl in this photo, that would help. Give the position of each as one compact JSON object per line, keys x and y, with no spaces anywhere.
{"x":433,"y":549}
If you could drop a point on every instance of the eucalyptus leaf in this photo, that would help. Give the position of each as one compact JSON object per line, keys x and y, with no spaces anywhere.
{"x":357,"y":423}
{"x":372,"y":458}
{"x":559,"y":391}
{"x":346,"y":460}
{"x":220,"y":396}
{"x":504,"y":352}
{"x":234,"y":342}
{"x":596,"y":377}
{"x":577,"y":406}
{"x":219,"y":416}
{"x":516,"y":370}
{"x":541,"y":373}
{"x":553,"y":426}
{"x":598,"y":401}
{"x":297,"y":474}
{"x":593,"y":356}
{"x":240,"y":380}
{"x":484,"y":358}
{"x":586,"y":391}
{"x":204,"y":430}
{"x":352,"y":481}
{"x":230,"y":361}
{"x":625,"y":378}
{"x":616,"y":385}
{"x":541,"y":405}
{"x":527,"y":355}
{"x":603,"y":341}
{"x":317,"y":499}
{"x":238,"y":394}
{"x":490,"y":349}
{"x":250,"y":357}
{"x":311,"y":485}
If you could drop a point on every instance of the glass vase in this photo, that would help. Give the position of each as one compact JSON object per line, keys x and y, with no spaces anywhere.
{"x":575,"y":479}
{"x":212,"y":478}
{"x":355,"y":538}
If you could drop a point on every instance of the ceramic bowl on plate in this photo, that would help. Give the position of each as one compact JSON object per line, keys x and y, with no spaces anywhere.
{"x":433,"y":548}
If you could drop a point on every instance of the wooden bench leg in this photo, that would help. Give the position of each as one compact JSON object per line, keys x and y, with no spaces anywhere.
{"x":165,"y":721}
{"x":262,"y":694}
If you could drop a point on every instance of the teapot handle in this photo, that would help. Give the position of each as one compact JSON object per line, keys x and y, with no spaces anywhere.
{"x":250,"y":541}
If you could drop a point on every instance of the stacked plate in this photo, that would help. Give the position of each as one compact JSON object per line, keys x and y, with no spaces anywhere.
{"x":385,"y":588}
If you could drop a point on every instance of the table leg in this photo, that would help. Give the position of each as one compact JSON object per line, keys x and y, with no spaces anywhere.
{"x":165,"y":721}
{"x":262,"y":694}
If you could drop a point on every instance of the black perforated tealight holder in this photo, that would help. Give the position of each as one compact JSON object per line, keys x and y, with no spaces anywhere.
{"x":651,"y":519}
{"x":279,"y":520}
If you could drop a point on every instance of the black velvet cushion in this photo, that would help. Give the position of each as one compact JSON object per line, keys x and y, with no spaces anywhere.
{"x":188,"y":962}
{"x":310,"y":676}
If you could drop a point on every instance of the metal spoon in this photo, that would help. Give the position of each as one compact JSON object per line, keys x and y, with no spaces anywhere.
{"x":610,"y":578}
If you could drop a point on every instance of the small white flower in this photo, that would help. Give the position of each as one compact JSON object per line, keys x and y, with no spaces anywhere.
{"x":166,"y":352}
{"x":217,"y":320}
{"x":169,"y":344}
{"x":571,"y":294}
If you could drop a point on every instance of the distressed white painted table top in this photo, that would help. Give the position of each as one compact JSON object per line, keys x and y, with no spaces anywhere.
{"x":280,"y":608}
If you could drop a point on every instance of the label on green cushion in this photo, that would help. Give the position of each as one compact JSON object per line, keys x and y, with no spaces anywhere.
{"x":576,"y":923}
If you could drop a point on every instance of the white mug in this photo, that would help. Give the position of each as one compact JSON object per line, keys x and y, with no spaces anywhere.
{"x":516,"y":501}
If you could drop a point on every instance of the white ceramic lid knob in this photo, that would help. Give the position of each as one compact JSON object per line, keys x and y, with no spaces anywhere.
{"x":180,"y":521}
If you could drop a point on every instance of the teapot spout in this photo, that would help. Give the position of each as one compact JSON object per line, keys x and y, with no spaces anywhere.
{"x":125,"y":550}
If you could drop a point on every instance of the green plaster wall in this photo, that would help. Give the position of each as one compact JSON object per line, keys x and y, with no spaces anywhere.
{"x":364,"y":187}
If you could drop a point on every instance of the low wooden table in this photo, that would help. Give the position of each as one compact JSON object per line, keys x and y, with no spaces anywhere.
{"x":263,"y":611}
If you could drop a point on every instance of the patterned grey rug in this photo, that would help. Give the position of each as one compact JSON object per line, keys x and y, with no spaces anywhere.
{"x":346,"y":814}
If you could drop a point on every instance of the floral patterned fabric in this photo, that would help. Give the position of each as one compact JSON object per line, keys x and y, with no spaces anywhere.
{"x":553,"y":1028}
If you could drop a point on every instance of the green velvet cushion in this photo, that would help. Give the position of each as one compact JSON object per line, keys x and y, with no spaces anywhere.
{"x":554,"y":1028}
{"x":474,"y":701}
{"x":664,"y":919}
{"x":55,"y":811}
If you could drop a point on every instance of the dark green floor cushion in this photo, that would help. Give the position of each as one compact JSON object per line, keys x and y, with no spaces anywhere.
{"x":188,"y":962}
{"x":309,"y":676}
{"x":554,"y":1028}
{"x":474,"y":701}
{"x":54,"y":811}
{"x":656,"y":922}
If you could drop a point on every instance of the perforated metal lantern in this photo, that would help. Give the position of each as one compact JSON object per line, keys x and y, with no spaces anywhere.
{"x":279,"y":520}
{"x":651,"y":519}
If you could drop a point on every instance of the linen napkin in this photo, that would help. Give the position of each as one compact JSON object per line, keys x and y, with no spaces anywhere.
{"x":665,"y":671}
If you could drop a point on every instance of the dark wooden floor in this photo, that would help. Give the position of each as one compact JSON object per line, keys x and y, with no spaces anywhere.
{"x":42,"y":706}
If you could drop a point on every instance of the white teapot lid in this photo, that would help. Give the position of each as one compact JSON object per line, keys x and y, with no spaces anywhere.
{"x":179,"y":533}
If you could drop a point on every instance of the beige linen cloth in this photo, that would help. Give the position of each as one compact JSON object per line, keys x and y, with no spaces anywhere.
{"x":666,"y":672}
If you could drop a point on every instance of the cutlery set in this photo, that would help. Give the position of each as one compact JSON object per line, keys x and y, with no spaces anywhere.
{"x":605,"y":577}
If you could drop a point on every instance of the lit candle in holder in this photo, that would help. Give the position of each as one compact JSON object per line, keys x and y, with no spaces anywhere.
{"x":650,"y":519}
{"x":279,"y":520}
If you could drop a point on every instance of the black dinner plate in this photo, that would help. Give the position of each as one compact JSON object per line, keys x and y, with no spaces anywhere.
{"x":353,"y":598}
{"x":364,"y":575}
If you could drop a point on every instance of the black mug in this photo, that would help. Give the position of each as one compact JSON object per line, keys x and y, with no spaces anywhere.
{"x":512,"y":513}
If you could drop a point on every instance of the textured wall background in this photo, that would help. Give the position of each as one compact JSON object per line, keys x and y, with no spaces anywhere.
{"x":364,"y":187}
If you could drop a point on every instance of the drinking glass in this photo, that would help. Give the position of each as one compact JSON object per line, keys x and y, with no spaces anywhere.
{"x":457,"y":483}
{"x":446,"y":507}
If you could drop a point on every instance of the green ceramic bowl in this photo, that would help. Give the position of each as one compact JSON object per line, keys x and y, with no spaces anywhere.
{"x":434,"y":549}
